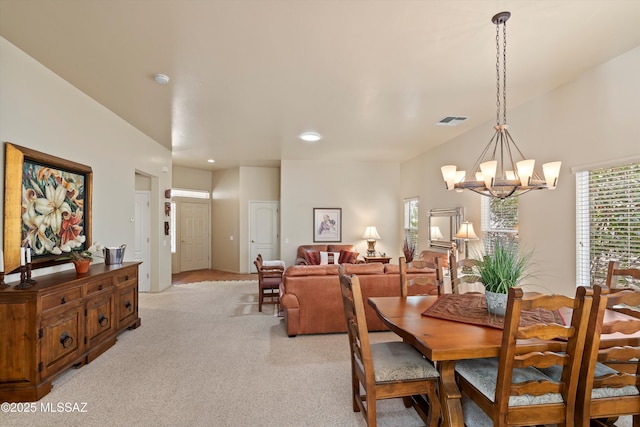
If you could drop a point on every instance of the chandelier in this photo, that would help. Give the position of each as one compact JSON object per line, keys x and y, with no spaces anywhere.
{"x":502,"y":170}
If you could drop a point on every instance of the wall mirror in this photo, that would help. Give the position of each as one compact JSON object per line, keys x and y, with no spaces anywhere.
{"x":443,"y":225}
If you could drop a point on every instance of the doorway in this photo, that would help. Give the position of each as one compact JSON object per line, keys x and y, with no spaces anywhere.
{"x":142,"y":236}
{"x":194,"y":235}
{"x":263,"y":232}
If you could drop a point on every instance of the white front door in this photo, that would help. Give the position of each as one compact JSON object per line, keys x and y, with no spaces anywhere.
{"x":194,"y":236}
{"x":263,"y":232}
{"x":142,"y":235}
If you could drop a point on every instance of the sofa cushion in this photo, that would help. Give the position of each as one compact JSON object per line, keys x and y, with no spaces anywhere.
{"x":338,"y":248}
{"x":312,"y":257}
{"x":392,"y":269}
{"x":307,"y":270}
{"x":327,"y":258}
{"x":348,"y":257}
{"x":371,"y":268}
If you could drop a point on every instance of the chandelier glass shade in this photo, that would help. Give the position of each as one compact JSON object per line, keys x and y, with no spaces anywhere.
{"x":502,"y":170}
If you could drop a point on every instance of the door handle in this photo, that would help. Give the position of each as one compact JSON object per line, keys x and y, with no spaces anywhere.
{"x":253,"y":241}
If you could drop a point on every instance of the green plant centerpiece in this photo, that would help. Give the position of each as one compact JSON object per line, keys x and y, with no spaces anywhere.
{"x":500,"y":270}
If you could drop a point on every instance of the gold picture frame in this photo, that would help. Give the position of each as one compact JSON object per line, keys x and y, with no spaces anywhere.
{"x":32,"y":181}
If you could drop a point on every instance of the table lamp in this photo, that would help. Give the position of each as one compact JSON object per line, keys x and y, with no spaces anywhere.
{"x":466,"y":233}
{"x":371,"y":235}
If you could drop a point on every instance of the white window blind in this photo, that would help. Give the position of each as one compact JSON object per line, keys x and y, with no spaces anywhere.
{"x":607,"y":220}
{"x":411,"y":207}
{"x":499,"y":219}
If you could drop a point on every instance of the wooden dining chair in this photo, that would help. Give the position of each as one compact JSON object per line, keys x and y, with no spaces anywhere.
{"x":384,"y":370}
{"x":609,"y":383}
{"x":463,"y":277}
{"x":269,"y":280}
{"x":511,"y":389}
{"x":623,"y":278}
{"x":426,"y":275}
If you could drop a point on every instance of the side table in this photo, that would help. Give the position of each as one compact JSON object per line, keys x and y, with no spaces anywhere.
{"x":382,"y":259}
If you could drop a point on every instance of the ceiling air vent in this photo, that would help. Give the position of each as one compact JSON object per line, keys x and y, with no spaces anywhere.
{"x":451,"y":121}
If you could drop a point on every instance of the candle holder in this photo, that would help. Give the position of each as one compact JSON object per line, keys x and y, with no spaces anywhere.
{"x":3,"y":285}
{"x":29,"y":279}
{"x":23,"y":279}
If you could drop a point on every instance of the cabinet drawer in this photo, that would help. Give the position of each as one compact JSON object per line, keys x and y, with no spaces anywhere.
{"x":126,"y":274}
{"x":63,"y":297}
{"x":98,"y":286}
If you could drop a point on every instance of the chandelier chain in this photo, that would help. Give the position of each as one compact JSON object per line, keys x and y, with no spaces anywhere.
{"x":504,"y":72}
{"x":497,"y":75}
{"x":501,"y":89}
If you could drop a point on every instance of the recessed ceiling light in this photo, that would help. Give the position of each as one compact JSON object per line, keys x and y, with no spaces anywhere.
{"x":310,"y":136}
{"x":162,"y":79}
{"x":211,"y":161}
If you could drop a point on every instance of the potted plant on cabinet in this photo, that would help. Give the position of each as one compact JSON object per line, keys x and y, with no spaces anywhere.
{"x":500,"y":270}
{"x":81,"y":259}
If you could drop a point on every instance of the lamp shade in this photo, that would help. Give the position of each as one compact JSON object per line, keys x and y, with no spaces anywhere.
{"x":466,"y":232}
{"x":371,"y":233}
{"x":436,"y":234}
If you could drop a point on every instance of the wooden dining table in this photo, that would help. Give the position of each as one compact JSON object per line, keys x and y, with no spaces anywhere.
{"x":446,"y":341}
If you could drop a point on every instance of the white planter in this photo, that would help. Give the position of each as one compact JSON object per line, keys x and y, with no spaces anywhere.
{"x":496,"y":303}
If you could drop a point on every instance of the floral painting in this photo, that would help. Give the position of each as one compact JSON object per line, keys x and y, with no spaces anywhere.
{"x":53,"y":209}
{"x":47,"y":204}
{"x":327,"y":224}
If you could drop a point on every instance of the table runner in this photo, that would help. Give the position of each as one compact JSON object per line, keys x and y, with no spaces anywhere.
{"x":472,"y":308}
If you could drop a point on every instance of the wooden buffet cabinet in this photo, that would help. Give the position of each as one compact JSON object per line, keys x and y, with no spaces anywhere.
{"x":64,"y":320}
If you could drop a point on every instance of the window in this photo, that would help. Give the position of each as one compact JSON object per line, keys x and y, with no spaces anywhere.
{"x":499,"y":221}
{"x":194,"y":194}
{"x":411,"y":220}
{"x":607,"y":220}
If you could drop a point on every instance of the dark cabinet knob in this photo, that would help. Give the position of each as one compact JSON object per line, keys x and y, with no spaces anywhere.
{"x":66,"y":340}
{"x":63,"y":300}
{"x":127,"y":305}
{"x":100,"y":287}
{"x":126,"y":277}
{"x":103,"y":320}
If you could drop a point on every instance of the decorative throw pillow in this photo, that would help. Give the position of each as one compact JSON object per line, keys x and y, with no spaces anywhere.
{"x":312,"y":257}
{"x":329,"y":258}
{"x":347,"y":257}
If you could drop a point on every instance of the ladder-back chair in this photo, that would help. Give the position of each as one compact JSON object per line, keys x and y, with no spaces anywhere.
{"x":512,"y":388}
{"x":384,"y":370}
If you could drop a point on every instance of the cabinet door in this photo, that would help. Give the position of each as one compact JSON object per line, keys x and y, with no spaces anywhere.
{"x":127,"y":304}
{"x":17,"y":333}
{"x":62,"y":340}
{"x":100,"y":318}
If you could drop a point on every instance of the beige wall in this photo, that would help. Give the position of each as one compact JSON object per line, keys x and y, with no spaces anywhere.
{"x":593,"y":119}
{"x":191,"y":179}
{"x":41,"y":111}
{"x":225,"y":220}
{"x":338,"y":184}
{"x":256,"y":184}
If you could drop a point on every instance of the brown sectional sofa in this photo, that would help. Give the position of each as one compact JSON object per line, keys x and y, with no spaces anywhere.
{"x":312,"y":302}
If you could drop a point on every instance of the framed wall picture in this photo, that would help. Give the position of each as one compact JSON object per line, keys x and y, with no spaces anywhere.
{"x":327,"y":224}
{"x":47,"y":206}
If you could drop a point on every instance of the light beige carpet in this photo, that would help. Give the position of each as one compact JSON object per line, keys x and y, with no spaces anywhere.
{"x":205,"y":356}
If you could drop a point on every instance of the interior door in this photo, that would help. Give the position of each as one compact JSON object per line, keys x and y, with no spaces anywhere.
{"x":141,"y":249}
{"x":194,"y":236}
{"x":263,"y":232}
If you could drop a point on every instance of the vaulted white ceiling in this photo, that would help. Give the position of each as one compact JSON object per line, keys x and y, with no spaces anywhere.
{"x":373,"y":77}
